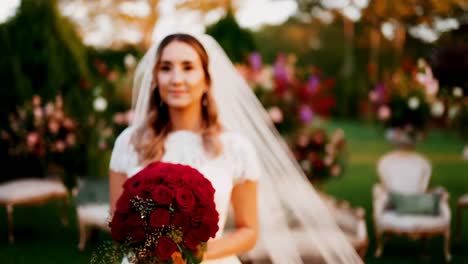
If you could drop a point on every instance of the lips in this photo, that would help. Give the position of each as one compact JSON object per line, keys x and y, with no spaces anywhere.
{"x":177,"y":92}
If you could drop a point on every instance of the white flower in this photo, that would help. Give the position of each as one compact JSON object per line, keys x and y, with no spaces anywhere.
{"x":437,"y":109}
{"x":129,"y":61}
{"x":305,"y":164}
{"x":266,"y":79}
{"x":457,"y":91}
{"x":276,"y":114}
{"x":413,"y":103}
{"x":100,"y":104}
{"x":453,"y":112}
{"x":328,"y":160}
{"x":465,"y":153}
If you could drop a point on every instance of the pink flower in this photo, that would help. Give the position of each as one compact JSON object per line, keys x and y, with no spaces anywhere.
{"x":38,"y":113}
{"x":36,"y":101}
{"x":71,"y":139}
{"x":302,"y":141}
{"x":68,"y":123}
{"x":59,"y":102}
{"x":60,"y":146}
{"x":384,"y":112}
{"x":53,"y":126}
{"x":32,"y":139}
{"x":120,"y":118}
{"x":373,"y":97}
{"x":335,"y":170}
{"x":276,"y":114}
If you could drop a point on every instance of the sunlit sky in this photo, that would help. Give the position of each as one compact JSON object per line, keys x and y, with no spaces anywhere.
{"x":272,"y":11}
{"x":252,"y":14}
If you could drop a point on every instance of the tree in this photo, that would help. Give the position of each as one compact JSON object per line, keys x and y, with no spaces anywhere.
{"x":237,"y":42}
{"x":41,"y":54}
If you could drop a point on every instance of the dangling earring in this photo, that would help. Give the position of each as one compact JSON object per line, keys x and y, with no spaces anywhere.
{"x":204,"y":100}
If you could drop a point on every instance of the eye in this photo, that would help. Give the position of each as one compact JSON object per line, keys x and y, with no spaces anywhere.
{"x":165,"y":68}
{"x":188,"y":67}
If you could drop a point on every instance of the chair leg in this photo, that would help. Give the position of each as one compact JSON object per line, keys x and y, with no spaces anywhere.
{"x":11,"y":236}
{"x":64,"y":206}
{"x":83,"y":237}
{"x":448,"y":256}
{"x":379,"y":240}
{"x":459,"y":223}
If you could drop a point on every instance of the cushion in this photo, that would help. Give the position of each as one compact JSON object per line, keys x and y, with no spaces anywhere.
{"x":92,"y":191}
{"x":414,"y":204}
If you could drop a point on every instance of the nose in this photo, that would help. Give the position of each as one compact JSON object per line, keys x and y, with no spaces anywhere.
{"x":177,"y":77}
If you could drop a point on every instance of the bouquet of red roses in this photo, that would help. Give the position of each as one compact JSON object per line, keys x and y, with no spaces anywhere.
{"x":166,"y":214}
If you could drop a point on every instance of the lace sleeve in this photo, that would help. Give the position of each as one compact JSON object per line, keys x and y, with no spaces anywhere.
{"x":248,"y":167}
{"x":122,"y":152}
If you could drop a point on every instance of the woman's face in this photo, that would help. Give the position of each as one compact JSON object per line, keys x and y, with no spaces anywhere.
{"x":180,"y":76}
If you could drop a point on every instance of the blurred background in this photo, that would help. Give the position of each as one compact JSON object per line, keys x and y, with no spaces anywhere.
{"x":336,"y":76}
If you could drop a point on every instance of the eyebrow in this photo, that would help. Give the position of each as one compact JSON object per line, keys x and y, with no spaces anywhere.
{"x":183,"y":62}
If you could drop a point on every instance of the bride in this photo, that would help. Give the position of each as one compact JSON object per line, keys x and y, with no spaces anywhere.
{"x":192,"y":107}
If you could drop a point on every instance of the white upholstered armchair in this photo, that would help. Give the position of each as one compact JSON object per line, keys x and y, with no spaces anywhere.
{"x":407,"y":173}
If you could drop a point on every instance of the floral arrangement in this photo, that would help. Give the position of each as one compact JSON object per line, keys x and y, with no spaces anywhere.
{"x":321,"y":156}
{"x":407,"y":101}
{"x":44,"y":132}
{"x":166,"y":214}
{"x":40,"y":129}
{"x":283,"y":87}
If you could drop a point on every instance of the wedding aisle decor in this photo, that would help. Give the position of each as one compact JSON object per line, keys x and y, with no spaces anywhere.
{"x":43,"y":134}
{"x":409,"y":101}
{"x":322,"y":156}
{"x":293,"y":96}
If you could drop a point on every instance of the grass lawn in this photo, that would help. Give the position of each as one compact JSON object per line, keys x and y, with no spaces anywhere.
{"x":40,"y":237}
{"x":366,"y":145}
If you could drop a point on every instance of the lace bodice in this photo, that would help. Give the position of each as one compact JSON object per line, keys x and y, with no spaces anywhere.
{"x":236,"y":164}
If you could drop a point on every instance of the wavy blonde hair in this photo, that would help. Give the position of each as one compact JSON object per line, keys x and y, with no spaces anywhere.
{"x":149,"y":138}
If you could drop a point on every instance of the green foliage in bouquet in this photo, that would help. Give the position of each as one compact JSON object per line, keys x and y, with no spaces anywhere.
{"x":320,"y":155}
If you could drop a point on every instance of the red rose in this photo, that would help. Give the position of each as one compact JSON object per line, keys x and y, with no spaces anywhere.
{"x":164,"y":248}
{"x":134,"y":220}
{"x":123,"y":203}
{"x":211,"y":216}
{"x":152,"y":180}
{"x":196,"y":216}
{"x":207,"y":230}
{"x":163,"y":195}
{"x":118,"y":227}
{"x":133,"y":182}
{"x":160,"y":217}
{"x":138,"y":235}
{"x":185,"y":199}
{"x":181,"y":220}
{"x":318,"y":164}
{"x":174,"y":181}
{"x":205,"y":192}
{"x":191,"y":240}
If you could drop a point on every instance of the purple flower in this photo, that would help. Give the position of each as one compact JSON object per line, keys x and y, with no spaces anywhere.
{"x":280,"y":71}
{"x":305,"y":114}
{"x":255,"y":61}
{"x":379,"y":92}
{"x":312,"y":84}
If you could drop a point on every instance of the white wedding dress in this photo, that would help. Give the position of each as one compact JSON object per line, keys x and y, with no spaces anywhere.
{"x":236,"y":164}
